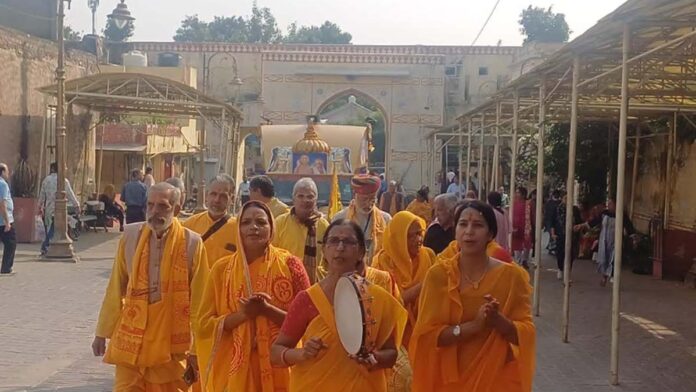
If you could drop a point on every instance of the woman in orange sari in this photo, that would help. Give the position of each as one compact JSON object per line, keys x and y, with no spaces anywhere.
{"x":322,"y":364}
{"x":243,"y":307}
{"x":405,"y":258}
{"x":474,"y":330}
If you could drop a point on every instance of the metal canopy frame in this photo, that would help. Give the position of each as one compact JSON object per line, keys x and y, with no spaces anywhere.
{"x":135,"y":93}
{"x":637,"y":63}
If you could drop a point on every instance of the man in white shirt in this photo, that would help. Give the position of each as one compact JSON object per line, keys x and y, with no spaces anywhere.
{"x":149,"y":180}
{"x":47,"y":202}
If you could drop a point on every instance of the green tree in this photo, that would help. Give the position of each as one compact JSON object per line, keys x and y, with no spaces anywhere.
{"x":260,"y":27}
{"x":71,"y":35}
{"x":543,"y":25}
{"x":192,"y":29}
{"x":114,"y":34}
{"x":327,"y":33}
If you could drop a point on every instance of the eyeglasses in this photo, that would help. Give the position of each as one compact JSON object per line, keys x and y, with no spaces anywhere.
{"x":335,"y":241}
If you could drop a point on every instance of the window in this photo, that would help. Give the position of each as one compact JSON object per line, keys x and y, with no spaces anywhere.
{"x":483,"y":71}
{"x":451,"y":71}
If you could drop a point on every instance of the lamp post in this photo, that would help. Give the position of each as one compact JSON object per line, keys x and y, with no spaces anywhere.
{"x":93,"y":5}
{"x":236,"y":81}
{"x":61,"y":245}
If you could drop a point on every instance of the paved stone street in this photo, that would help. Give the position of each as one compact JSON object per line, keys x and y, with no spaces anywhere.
{"x":48,"y":312}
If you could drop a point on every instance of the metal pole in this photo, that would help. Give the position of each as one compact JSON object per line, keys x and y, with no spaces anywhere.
{"x":570,"y":198}
{"x":619,"y":225}
{"x":481,"y":174}
{"x":634,"y":174}
{"x":459,"y":160}
{"x":668,"y":177}
{"x":433,"y":159}
{"x":61,"y":244}
{"x":540,"y":190}
{"x":513,"y":165}
{"x":468,"y":155}
{"x":496,"y":150}
{"x":101,"y":160}
{"x":200,"y":196}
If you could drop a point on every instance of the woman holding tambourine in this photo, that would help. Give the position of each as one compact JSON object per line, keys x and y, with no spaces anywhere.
{"x":474,"y":330}
{"x":350,"y":329}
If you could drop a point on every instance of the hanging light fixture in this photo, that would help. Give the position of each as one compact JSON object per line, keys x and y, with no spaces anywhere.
{"x":121,"y":16}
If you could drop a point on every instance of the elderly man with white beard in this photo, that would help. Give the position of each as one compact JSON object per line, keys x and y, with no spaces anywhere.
{"x":364,"y":212}
{"x":154,"y":293}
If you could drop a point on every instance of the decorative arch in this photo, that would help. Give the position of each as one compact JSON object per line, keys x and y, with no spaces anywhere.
{"x":358,"y":94}
{"x":361,"y":95}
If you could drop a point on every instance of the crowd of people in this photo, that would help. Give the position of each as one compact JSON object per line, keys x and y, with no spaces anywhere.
{"x":247,"y":302}
{"x":218,"y":302}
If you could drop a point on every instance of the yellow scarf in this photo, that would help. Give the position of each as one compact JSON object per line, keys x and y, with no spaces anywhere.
{"x":378,"y":225}
{"x":174,"y":335}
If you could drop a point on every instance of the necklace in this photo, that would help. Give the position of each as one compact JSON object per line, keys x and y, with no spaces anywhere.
{"x":475,"y":283}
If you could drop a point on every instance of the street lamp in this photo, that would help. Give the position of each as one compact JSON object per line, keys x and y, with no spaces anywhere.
{"x":93,"y":5}
{"x":61,"y":245}
{"x":121,"y":16}
{"x":236,"y":81}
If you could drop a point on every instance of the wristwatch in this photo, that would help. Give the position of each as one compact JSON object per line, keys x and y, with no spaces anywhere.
{"x":456,"y":331}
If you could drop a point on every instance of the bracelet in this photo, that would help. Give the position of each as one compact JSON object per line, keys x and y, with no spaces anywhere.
{"x":282,"y":357}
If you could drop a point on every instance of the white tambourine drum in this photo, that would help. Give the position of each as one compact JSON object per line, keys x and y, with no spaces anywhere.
{"x":353,"y":313}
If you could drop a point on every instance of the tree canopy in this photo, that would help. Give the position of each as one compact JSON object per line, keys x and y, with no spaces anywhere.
{"x":328,"y":33}
{"x":543,"y":25}
{"x":70,"y":34}
{"x":260,"y":27}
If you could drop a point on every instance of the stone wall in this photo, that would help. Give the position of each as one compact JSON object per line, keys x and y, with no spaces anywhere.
{"x":26,"y":64}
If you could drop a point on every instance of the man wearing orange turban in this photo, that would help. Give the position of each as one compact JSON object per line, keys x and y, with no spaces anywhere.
{"x":363,"y":211}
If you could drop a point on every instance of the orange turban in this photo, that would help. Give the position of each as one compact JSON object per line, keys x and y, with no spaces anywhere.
{"x":365,"y":184}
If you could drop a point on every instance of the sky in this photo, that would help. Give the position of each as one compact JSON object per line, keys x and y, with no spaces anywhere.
{"x":386,"y":22}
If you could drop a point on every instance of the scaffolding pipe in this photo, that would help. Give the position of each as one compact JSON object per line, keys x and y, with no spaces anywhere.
{"x":496,"y":150}
{"x":459,"y":162}
{"x":619,"y":225}
{"x":540,"y":190}
{"x":481,"y":174}
{"x":671,"y":141}
{"x":468,"y":155}
{"x":634,"y":174}
{"x":513,"y":165}
{"x":570,"y":198}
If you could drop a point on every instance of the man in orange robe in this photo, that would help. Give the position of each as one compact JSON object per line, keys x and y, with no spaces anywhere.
{"x":156,"y":282}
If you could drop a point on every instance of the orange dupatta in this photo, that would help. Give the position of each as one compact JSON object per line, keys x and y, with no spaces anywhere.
{"x":478,"y":364}
{"x":332,"y":370}
{"x":227,"y":359}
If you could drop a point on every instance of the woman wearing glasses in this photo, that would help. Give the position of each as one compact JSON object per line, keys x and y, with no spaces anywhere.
{"x":474,"y":330}
{"x":322,"y":363}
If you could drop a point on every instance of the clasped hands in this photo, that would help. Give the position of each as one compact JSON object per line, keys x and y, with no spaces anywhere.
{"x":255,"y":305}
{"x":489,"y":315}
